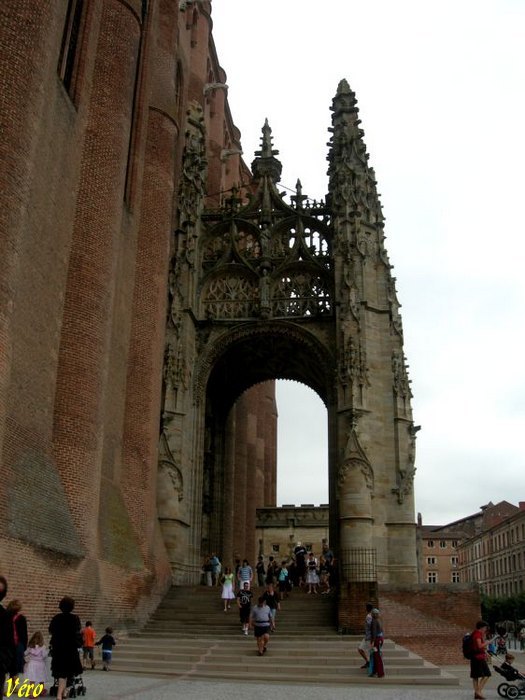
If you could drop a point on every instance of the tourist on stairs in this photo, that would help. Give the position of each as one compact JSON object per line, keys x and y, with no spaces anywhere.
{"x":262,"y":623}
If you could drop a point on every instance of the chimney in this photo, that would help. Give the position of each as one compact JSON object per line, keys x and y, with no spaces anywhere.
{"x":521,"y":505}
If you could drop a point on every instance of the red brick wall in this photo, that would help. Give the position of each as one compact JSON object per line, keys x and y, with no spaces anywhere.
{"x":84,"y":249}
{"x":352,"y":605}
{"x":430,"y":619}
{"x":253,"y":432}
{"x":146,"y":352}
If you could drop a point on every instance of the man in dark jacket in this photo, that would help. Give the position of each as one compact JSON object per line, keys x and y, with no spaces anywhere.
{"x":7,"y":642}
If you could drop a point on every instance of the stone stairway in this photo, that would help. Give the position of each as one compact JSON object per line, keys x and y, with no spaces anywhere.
{"x":191,"y":636}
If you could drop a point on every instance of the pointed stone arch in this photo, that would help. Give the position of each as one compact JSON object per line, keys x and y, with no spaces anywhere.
{"x":313,"y":364}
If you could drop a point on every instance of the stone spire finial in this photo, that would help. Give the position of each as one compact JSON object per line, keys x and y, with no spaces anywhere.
{"x":265,"y":162}
{"x":298,"y":198}
{"x":352,"y":182}
{"x":266,"y":142}
{"x":345,"y":97}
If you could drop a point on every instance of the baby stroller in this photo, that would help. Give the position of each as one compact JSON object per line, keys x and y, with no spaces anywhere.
{"x":509,"y":690}
{"x":75,"y":687}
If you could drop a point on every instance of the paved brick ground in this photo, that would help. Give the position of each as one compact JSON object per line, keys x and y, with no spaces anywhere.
{"x":110,"y":686}
{"x":113,"y":685}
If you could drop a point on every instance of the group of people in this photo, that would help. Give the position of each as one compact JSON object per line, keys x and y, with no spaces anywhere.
{"x":301,"y":570}
{"x":26,"y":659}
{"x":276,"y":580}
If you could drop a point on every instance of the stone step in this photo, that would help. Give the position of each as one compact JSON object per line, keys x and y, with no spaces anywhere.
{"x":319,"y":671}
{"x":190,"y":636}
{"x":319,"y":617}
{"x":263,"y":668}
{"x":182,"y":632}
{"x":244,"y":655}
{"x":333,"y":644}
{"x":180,"y":628}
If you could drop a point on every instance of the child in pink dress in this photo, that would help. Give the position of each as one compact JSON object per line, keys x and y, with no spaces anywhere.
{"x":35,"y":656}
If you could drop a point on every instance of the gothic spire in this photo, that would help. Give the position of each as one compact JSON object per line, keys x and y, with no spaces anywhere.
{"x":265,"y":162}
{"x":352,"y":182}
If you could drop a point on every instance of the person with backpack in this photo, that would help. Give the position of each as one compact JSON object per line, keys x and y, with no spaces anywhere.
{"x":479,"y":669}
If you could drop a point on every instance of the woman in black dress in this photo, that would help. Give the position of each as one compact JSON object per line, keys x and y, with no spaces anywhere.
{"x":7,"y":645}
{"x":19,"y":624}
{"x":65,"y":641}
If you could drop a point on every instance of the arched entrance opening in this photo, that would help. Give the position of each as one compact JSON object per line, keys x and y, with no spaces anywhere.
{"x":302,"y":445}
{"x":239,"y":457}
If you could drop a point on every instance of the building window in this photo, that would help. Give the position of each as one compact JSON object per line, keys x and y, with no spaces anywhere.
{"x":453,"y":561}
{"x":432,"y":577}
{"x":431,"y":561}
{"x":430,"y":543}
{"x":455,"y":544}
{"x":275,"y":547}
{"x":442,"y":544}
{"x":455,"y":577}
{"x":68,"y":60}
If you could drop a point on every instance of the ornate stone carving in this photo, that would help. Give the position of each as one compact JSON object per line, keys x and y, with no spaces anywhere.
{"x":350,"y":298}
{"x":175,"y":477}
{"x":405,"y":483}
{"x":168,"y":466}
{"x":169,"y":364}
{"x":176,"y":371}
{"x":401,"y":381}
{"x":405,"y":476}
{"x":230,"y":296}
{"x":397,"y":322}
{"x":355,"y":458}
{"x":194,"y":167}
{"x":302,"y":293}
{"x":354,"y":368}
{"x":266,"y":258}
{"x":366,"y":245}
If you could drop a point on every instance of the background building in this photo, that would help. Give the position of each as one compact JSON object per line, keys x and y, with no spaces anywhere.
{"x":279,"y":530}
{"x":487,"y":547}
{"x":495,"y":556}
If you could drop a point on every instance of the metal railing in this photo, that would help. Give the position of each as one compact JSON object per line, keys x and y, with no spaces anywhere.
{"x":359,"y":564}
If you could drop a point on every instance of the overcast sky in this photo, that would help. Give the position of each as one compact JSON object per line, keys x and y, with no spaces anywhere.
{"x":441,"y":92}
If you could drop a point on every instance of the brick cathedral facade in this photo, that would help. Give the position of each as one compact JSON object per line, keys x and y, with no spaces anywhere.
{"x":95,"y":97}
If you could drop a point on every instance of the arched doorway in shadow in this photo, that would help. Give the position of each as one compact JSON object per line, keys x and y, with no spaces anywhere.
{"x":239,"y":460}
